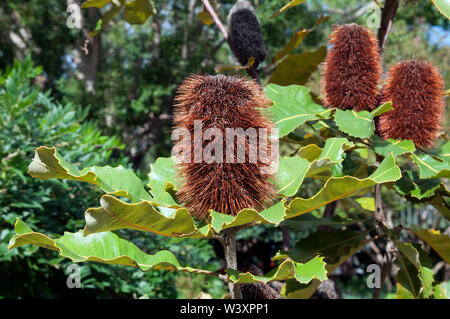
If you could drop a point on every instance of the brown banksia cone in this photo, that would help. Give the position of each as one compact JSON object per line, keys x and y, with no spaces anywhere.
{"x":218,"y":103}
{"x":416,"y":90}
{"x":352,"y":69}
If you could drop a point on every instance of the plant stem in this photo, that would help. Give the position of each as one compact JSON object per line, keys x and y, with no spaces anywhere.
{"x":389,"y":10}
{"x":229,"y":247}
{"x":215,"y":18}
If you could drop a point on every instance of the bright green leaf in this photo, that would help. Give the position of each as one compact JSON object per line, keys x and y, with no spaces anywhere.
{"x":434,"y":166}
{"x":303,"y":273}
{"x":340,"y":187}
{"x":48,"y":163}
{"x":291,"y":4}
{"x":358,"y":124}
{"x":292,"y":107}
{"x":397,"y":147}
{"x":443,"y":6}
{"x":115,"y":214}
{"x":103,"y":247}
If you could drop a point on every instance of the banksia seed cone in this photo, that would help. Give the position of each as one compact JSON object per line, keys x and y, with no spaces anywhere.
{"x":416,"y":91}
{"x":352,"y":69}
{"x":227,"y":187}
{"x":245,"y":37}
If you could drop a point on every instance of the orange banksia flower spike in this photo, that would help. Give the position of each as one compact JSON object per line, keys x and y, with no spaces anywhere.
{"x":221,"y":102}
{"x":416,"y":90}
{"x":352,"y":69}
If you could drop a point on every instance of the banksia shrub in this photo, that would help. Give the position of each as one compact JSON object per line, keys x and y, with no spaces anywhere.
{"x":208,"y":103}
{"x":416,"y":91}
{"x":352,"y":69}
{"x":244,"y":34}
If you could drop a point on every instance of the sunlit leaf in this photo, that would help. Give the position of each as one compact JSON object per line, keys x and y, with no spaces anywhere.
{"x":334,"y":247}
{"x":95,"y":3}
{"x":397,"y":147}
{"x":340,"y":187}
{"x":443,"y":6}
{"x":290,"y":175}
{"x":301,"y":272}
{"x":163,"y":181}
{"x":138,"y":11}
{"x":291,"y":4}
{"x":103,"y":247}
{"x":48,"y":163}
{"x":358,"y":124}
{"x":116,"y":7}
{"x":292,"y":107}
{"x":434,"y":166}
{"x":113,"y":214}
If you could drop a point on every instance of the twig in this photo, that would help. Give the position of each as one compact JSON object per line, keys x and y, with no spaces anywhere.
{"x":215,"y":18}
{"x":389,"y":10}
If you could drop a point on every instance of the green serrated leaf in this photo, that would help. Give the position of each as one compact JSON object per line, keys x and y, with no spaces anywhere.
{"x":411,"y":185}
{"x":358,"y":124}
{"x":397,"y":147}
{"x":334,"y":247}
{"x":301,"y":272}
{"x":340,"y":187}
{"x":434,"y":166}
{"x":292,"y":107}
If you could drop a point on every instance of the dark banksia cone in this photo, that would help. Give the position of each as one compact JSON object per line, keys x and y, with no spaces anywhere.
{"x":416,"y":91}
{"x":352,"y":69}
{"x":245,"y":37}
{"x":227,"y":187}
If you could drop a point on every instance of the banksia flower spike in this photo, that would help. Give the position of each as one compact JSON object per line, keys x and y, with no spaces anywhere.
{"x":221,"y":103}
{"x":245,"y":38}
{"x":352,"y":69}
{"x":416,"y":91}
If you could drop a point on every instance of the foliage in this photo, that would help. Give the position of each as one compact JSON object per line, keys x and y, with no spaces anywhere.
{"x":30,"y":117}
{"x":325,"y":157}
{"x":170,"y":219}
